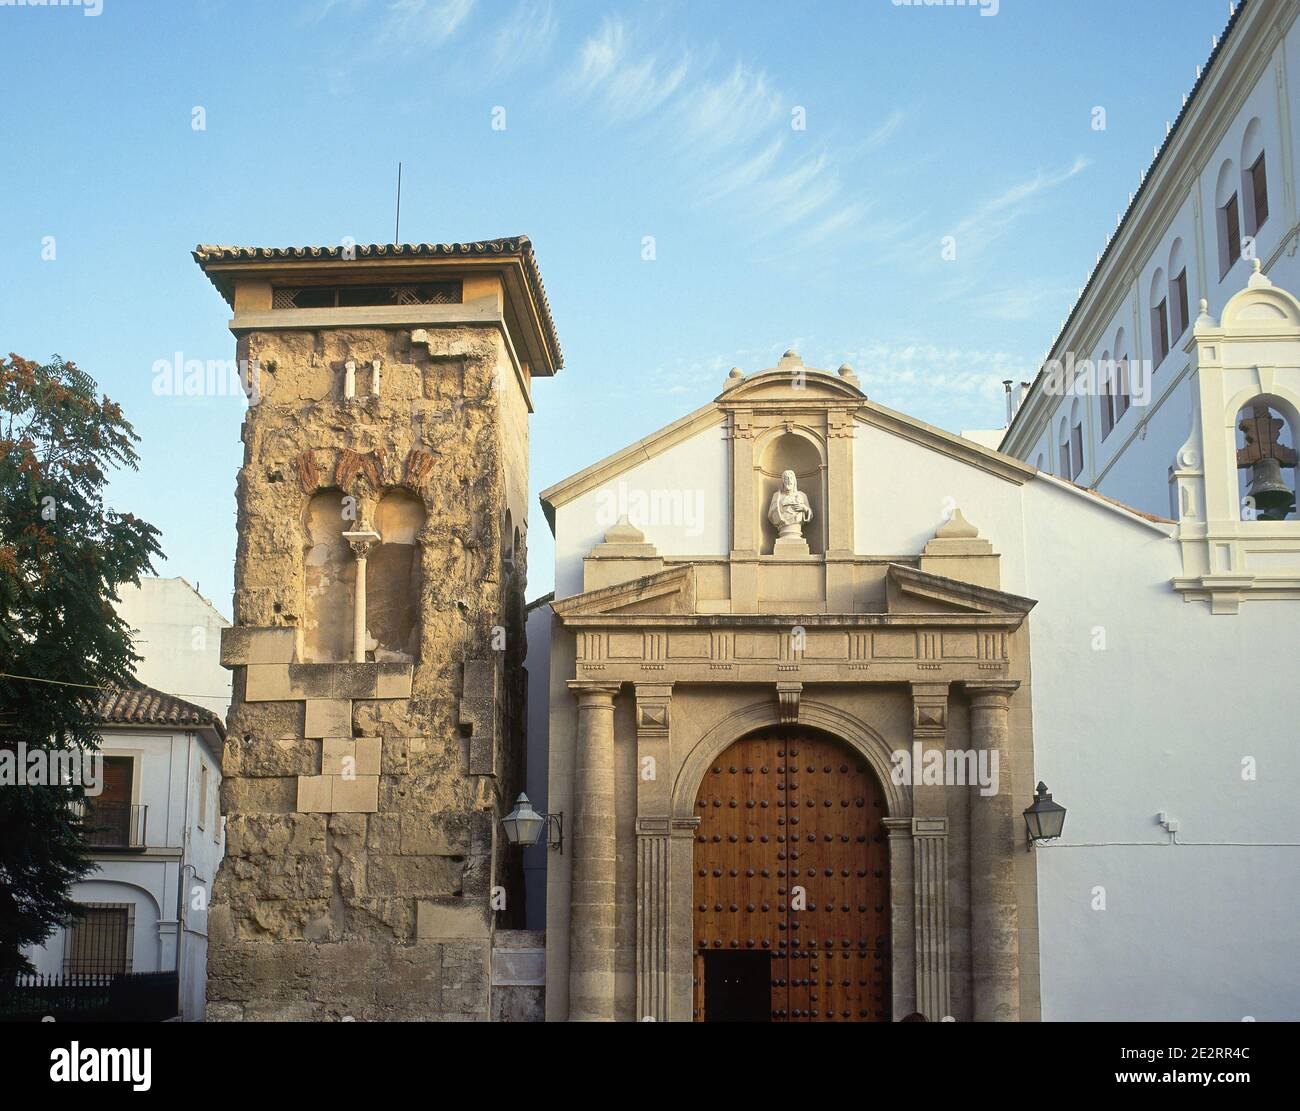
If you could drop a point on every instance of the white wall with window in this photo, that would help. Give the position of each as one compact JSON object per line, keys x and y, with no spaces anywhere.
{"x":157,"y":839}
{"x":1222,"y":193}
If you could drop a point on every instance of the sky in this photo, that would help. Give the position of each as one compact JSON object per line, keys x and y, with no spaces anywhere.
{"x":919,"y":191}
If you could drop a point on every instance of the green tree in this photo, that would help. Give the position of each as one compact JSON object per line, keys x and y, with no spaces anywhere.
{"x":63,"y":556}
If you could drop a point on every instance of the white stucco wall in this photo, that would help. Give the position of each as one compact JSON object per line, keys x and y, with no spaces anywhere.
{"x":178,"y":832}
{"x":679,"y":499}
{"x":538,"y":664}
{"x":178,"y":634}
{"x":1142,"y":703}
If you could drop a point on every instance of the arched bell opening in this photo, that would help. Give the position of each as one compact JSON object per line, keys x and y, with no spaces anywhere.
{"x":1266,"y":460}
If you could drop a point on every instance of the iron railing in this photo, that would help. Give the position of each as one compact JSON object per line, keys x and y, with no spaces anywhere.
{"x":90,"y":997}
{"x":115,"y":825}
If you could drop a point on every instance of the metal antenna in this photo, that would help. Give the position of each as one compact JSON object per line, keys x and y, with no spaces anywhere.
{"x":397,"y":229}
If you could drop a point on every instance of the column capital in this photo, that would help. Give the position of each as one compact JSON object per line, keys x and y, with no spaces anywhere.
{"x":996,"y":693}
{"x":897,"y":827}
{"x":361,"y":541}
{"x":929,"y":827}
{"x":591,"y":693}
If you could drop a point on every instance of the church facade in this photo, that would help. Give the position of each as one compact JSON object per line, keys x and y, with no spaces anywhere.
{"x":810,"y":660}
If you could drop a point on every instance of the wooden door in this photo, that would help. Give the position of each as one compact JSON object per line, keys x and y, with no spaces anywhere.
{"x":791,"y":861}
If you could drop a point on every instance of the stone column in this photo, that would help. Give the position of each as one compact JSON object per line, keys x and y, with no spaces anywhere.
{"x":930,"y":853}
{"x":361,"y":542}
{"x":995,"y":925}
{"x":591,"y":921}
{"x":653,"y":832}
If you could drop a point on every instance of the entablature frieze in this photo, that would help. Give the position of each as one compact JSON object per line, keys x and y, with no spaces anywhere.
{"x":881,"y":648}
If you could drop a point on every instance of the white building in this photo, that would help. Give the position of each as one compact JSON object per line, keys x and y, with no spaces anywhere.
{"x":158,"y":839}
{"x":1219,"y":196}
{"x":1163,"y":714}
{"x":177,"y":631}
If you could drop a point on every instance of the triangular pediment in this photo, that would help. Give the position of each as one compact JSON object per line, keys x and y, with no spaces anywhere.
{"x":665,"y":592}
{"x":911,"y":590}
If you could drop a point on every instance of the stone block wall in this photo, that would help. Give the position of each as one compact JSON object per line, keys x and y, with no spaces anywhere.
{"x":362,"y":798}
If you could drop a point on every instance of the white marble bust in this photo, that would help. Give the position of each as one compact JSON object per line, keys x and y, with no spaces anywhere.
{"x":789,"y":510}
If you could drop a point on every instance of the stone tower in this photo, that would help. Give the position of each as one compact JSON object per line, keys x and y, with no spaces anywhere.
{"x":376,"y":729}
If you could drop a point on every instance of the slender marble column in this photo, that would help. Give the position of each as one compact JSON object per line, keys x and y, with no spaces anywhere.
{"x":995,"y":920}
{"x":591,"y":901}
{"x":361,"y":542}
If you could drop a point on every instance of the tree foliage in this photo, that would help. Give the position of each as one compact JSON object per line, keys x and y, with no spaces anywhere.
{"x":63,"y":556}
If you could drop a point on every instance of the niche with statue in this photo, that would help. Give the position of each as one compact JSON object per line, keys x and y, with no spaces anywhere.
{"x":790,"y":496}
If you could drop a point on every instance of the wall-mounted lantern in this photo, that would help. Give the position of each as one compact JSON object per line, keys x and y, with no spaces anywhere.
{"x":1044,"y":819}
{"x":525,"y":826}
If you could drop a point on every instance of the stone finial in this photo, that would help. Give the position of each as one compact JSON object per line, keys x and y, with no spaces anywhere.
{"x":734,"y":377}
{"x":956,"y":527}
{"x":790,"y":359}
{"x":1258,"y":279}
{"x":623,"y":539}
{"x":623,"y":531}
{"x":848,"y":374}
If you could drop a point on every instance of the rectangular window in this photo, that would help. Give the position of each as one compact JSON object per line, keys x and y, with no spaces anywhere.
{"x":97,"y":941}
{"x":1122,"y":400}
{"x":1259,"y":191}
{"x":1229,"y":235}
{"x":1179,"y":294}
{"x":1160,"y":331}
{"x":108,"y":814}
{"x":1076,"y":451}
{"x":1065,"y":460}
{"x":203,"y":795}
{"x":1107,"y":406}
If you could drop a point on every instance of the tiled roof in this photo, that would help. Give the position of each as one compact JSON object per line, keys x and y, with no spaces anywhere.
{"x":145,"y":706}
{"x":511,"y":245}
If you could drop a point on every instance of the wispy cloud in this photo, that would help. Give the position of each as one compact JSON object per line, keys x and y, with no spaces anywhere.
{"x":885,"y":131}
{"x":395,"y":29}
{"x":410,"y":25}
{"x":726,"y":132}
{"x":525,"y":36}
{"x":629,"y":83}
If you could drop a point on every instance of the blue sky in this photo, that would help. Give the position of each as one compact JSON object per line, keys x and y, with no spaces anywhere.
{"x":671,"y":120}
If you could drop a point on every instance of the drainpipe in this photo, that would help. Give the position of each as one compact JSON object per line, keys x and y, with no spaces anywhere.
{"x":180,"y":881}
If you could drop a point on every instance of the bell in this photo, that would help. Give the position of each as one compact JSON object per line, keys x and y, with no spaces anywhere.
{"x":1273,"y":498}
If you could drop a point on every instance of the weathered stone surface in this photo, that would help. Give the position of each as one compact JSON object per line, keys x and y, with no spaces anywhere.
{"x":348,"y":788}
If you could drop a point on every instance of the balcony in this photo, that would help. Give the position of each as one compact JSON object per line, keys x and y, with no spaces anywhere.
{"x":115,"y":825}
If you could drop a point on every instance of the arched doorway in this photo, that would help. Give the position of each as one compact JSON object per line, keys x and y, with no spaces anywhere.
{"x":791,"y":888}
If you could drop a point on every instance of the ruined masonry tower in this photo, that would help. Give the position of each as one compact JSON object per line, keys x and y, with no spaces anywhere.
{"x":376,"y":731}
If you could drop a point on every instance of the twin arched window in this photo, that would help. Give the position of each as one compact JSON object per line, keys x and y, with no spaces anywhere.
{"x":1241,"y":197}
